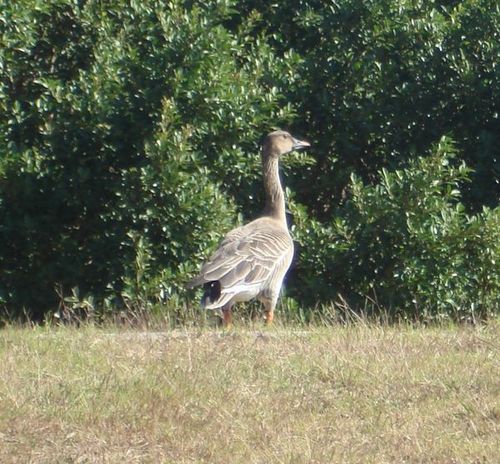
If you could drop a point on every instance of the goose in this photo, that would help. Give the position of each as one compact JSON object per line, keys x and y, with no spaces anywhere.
{"x":252,"y":260}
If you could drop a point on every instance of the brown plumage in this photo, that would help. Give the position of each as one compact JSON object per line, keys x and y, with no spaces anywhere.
{"x":252,"y":260}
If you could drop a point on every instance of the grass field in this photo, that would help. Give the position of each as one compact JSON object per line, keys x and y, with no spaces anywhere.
{"x":344,"y":394}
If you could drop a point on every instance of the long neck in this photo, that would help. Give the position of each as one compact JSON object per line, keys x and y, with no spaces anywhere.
{"x":275,"y":199}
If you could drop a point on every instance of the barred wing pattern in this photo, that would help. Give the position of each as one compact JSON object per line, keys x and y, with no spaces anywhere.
{"x":250,"y":262}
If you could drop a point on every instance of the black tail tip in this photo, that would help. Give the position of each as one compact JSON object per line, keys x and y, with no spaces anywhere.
{"x":212,"y":292}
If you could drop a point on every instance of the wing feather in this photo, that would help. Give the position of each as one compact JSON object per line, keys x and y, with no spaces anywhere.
{"x":248,"y":256}
{"x":236,"y":274}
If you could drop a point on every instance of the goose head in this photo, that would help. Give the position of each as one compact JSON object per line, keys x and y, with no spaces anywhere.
{"x":280,"y":142}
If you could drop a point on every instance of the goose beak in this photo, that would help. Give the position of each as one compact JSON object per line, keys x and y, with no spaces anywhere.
{"x":300,"y":144}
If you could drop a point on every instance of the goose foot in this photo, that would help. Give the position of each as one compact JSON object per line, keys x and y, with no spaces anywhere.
{"x":269,"y":309}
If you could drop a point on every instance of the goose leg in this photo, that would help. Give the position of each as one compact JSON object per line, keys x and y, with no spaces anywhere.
{"x":269,"y":310}
{"x":227,"y":315}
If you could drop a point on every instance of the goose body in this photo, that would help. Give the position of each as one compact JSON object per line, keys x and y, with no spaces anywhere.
{"x":252,"y":260}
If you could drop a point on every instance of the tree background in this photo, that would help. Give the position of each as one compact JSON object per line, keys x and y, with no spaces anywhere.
{"x":129,"y":141}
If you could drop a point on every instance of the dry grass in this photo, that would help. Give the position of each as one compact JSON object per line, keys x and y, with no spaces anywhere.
{"x":357,"y":393}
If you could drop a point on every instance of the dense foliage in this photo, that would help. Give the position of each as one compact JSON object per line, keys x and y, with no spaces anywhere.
{"x":129,"y":145}
{"x":406,"y":242}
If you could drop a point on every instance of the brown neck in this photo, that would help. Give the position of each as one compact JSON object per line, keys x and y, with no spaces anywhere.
{"x":275,"y":199}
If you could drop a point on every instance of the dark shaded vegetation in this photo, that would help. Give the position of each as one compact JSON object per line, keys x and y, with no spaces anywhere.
{"x":129,"y":145}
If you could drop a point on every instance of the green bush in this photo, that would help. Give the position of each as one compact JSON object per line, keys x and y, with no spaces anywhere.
{"x":382,"y":80}
{"x":129,"y":145}
{"x":121,"y":121}
{"x":407,"y":245}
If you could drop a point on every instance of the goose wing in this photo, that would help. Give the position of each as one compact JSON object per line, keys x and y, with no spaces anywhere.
{"x":248,"y":256}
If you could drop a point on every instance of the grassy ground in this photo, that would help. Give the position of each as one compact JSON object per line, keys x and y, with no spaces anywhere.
{"x":349,"y":394}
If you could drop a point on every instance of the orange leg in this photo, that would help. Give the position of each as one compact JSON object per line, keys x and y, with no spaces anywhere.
{"x":227,"y":315}
{"x":269,"y":309}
